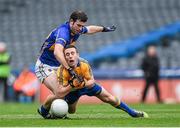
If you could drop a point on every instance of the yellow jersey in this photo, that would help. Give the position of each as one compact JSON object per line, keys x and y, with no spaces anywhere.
{"x":83,"y":69}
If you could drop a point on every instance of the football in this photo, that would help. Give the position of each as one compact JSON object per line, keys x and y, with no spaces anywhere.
{"x":59,"y":108}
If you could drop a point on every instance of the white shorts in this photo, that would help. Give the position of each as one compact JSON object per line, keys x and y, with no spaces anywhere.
{"x":43,"y":70}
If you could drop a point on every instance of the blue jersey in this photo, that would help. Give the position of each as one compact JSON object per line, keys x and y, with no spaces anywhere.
{"x":61,"y":35}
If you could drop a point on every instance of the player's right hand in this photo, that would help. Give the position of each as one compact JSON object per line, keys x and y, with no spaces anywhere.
{"x":73,"y":74}
{"x":109,"y":28}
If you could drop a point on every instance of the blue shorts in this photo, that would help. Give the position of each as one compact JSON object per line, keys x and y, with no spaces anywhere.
{"x":75,"y":95}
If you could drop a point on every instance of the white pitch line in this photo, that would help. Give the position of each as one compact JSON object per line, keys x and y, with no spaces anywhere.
{"x":19,"y":116}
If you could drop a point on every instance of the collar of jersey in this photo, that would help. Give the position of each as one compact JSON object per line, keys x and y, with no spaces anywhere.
{"x":78,"y":64}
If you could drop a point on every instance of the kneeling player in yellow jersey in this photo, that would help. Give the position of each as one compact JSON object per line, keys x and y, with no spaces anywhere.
{"x":86,"y":85}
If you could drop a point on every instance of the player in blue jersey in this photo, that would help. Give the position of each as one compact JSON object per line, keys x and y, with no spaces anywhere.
{"x":51,"y":55}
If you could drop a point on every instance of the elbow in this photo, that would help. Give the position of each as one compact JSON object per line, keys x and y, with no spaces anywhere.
{"x":91,"y":32}
{"x":58,"y":51}
{"x":58,"y":55}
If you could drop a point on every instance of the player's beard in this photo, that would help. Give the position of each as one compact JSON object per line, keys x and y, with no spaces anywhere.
{"x":73,"y":31}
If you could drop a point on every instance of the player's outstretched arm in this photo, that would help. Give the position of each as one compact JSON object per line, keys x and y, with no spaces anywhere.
{"x":94,"y":29}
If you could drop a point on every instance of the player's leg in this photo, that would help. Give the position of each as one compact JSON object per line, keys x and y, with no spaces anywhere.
{"x":58,"y":92}
{"x":106,"y":97}
{"x":72,"y":100}
{"x":50,"y":83}
{"x":48,"y":77}
{"x":72,"y":108}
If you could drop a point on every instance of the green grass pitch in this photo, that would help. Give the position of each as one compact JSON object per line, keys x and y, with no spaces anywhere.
{"x":103,"y":115}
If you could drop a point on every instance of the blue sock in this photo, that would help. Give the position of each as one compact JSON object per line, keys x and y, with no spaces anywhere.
{"x":127,"y":109}
{"x":44,"y":111}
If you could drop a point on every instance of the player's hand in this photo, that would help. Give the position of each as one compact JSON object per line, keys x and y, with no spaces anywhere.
{"x":73,"y":74}
{"x":75,"y":83}
{"x":109,"y":28}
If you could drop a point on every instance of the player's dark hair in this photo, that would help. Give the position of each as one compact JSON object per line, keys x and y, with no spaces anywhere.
{"x":79,"y":15}
{"x":71,"y":46}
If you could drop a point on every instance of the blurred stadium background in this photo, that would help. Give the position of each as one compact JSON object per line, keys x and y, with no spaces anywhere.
{"x":115,"y":57}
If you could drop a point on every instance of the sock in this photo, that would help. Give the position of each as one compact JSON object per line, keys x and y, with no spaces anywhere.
{"x":127,"y":109}
{"x":44,"y":111}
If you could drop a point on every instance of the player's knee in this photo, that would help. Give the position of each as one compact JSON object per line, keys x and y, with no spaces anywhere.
{"x":107,"y":99}
{"x":59,"y":94}
{"x":110,"y":100}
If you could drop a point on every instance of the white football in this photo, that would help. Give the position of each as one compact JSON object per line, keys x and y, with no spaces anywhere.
{"x":59,"y":108}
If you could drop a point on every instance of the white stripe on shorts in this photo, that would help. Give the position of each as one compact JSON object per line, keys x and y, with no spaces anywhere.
{"x":43,"y":70}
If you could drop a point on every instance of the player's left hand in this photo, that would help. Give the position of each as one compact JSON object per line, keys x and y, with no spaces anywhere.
{"x":109,"y":28}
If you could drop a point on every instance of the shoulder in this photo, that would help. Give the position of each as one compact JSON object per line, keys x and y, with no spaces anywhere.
{"x":64,"y":27}
{"x":84,"y":65}
{"x":63,"y":32}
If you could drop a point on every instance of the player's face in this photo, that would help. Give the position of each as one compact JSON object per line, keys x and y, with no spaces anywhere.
{"x":77,"y":26}
{"x":71,"y":57}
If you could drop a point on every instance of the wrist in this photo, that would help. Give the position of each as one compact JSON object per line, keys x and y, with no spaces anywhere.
{"x":69,"y":68}
{"x":103,"y":29}
{"x":71,"y":84}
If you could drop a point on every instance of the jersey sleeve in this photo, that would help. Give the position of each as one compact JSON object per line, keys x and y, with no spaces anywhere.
{"x":84,"y":30}
{"x":62,"y":36}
